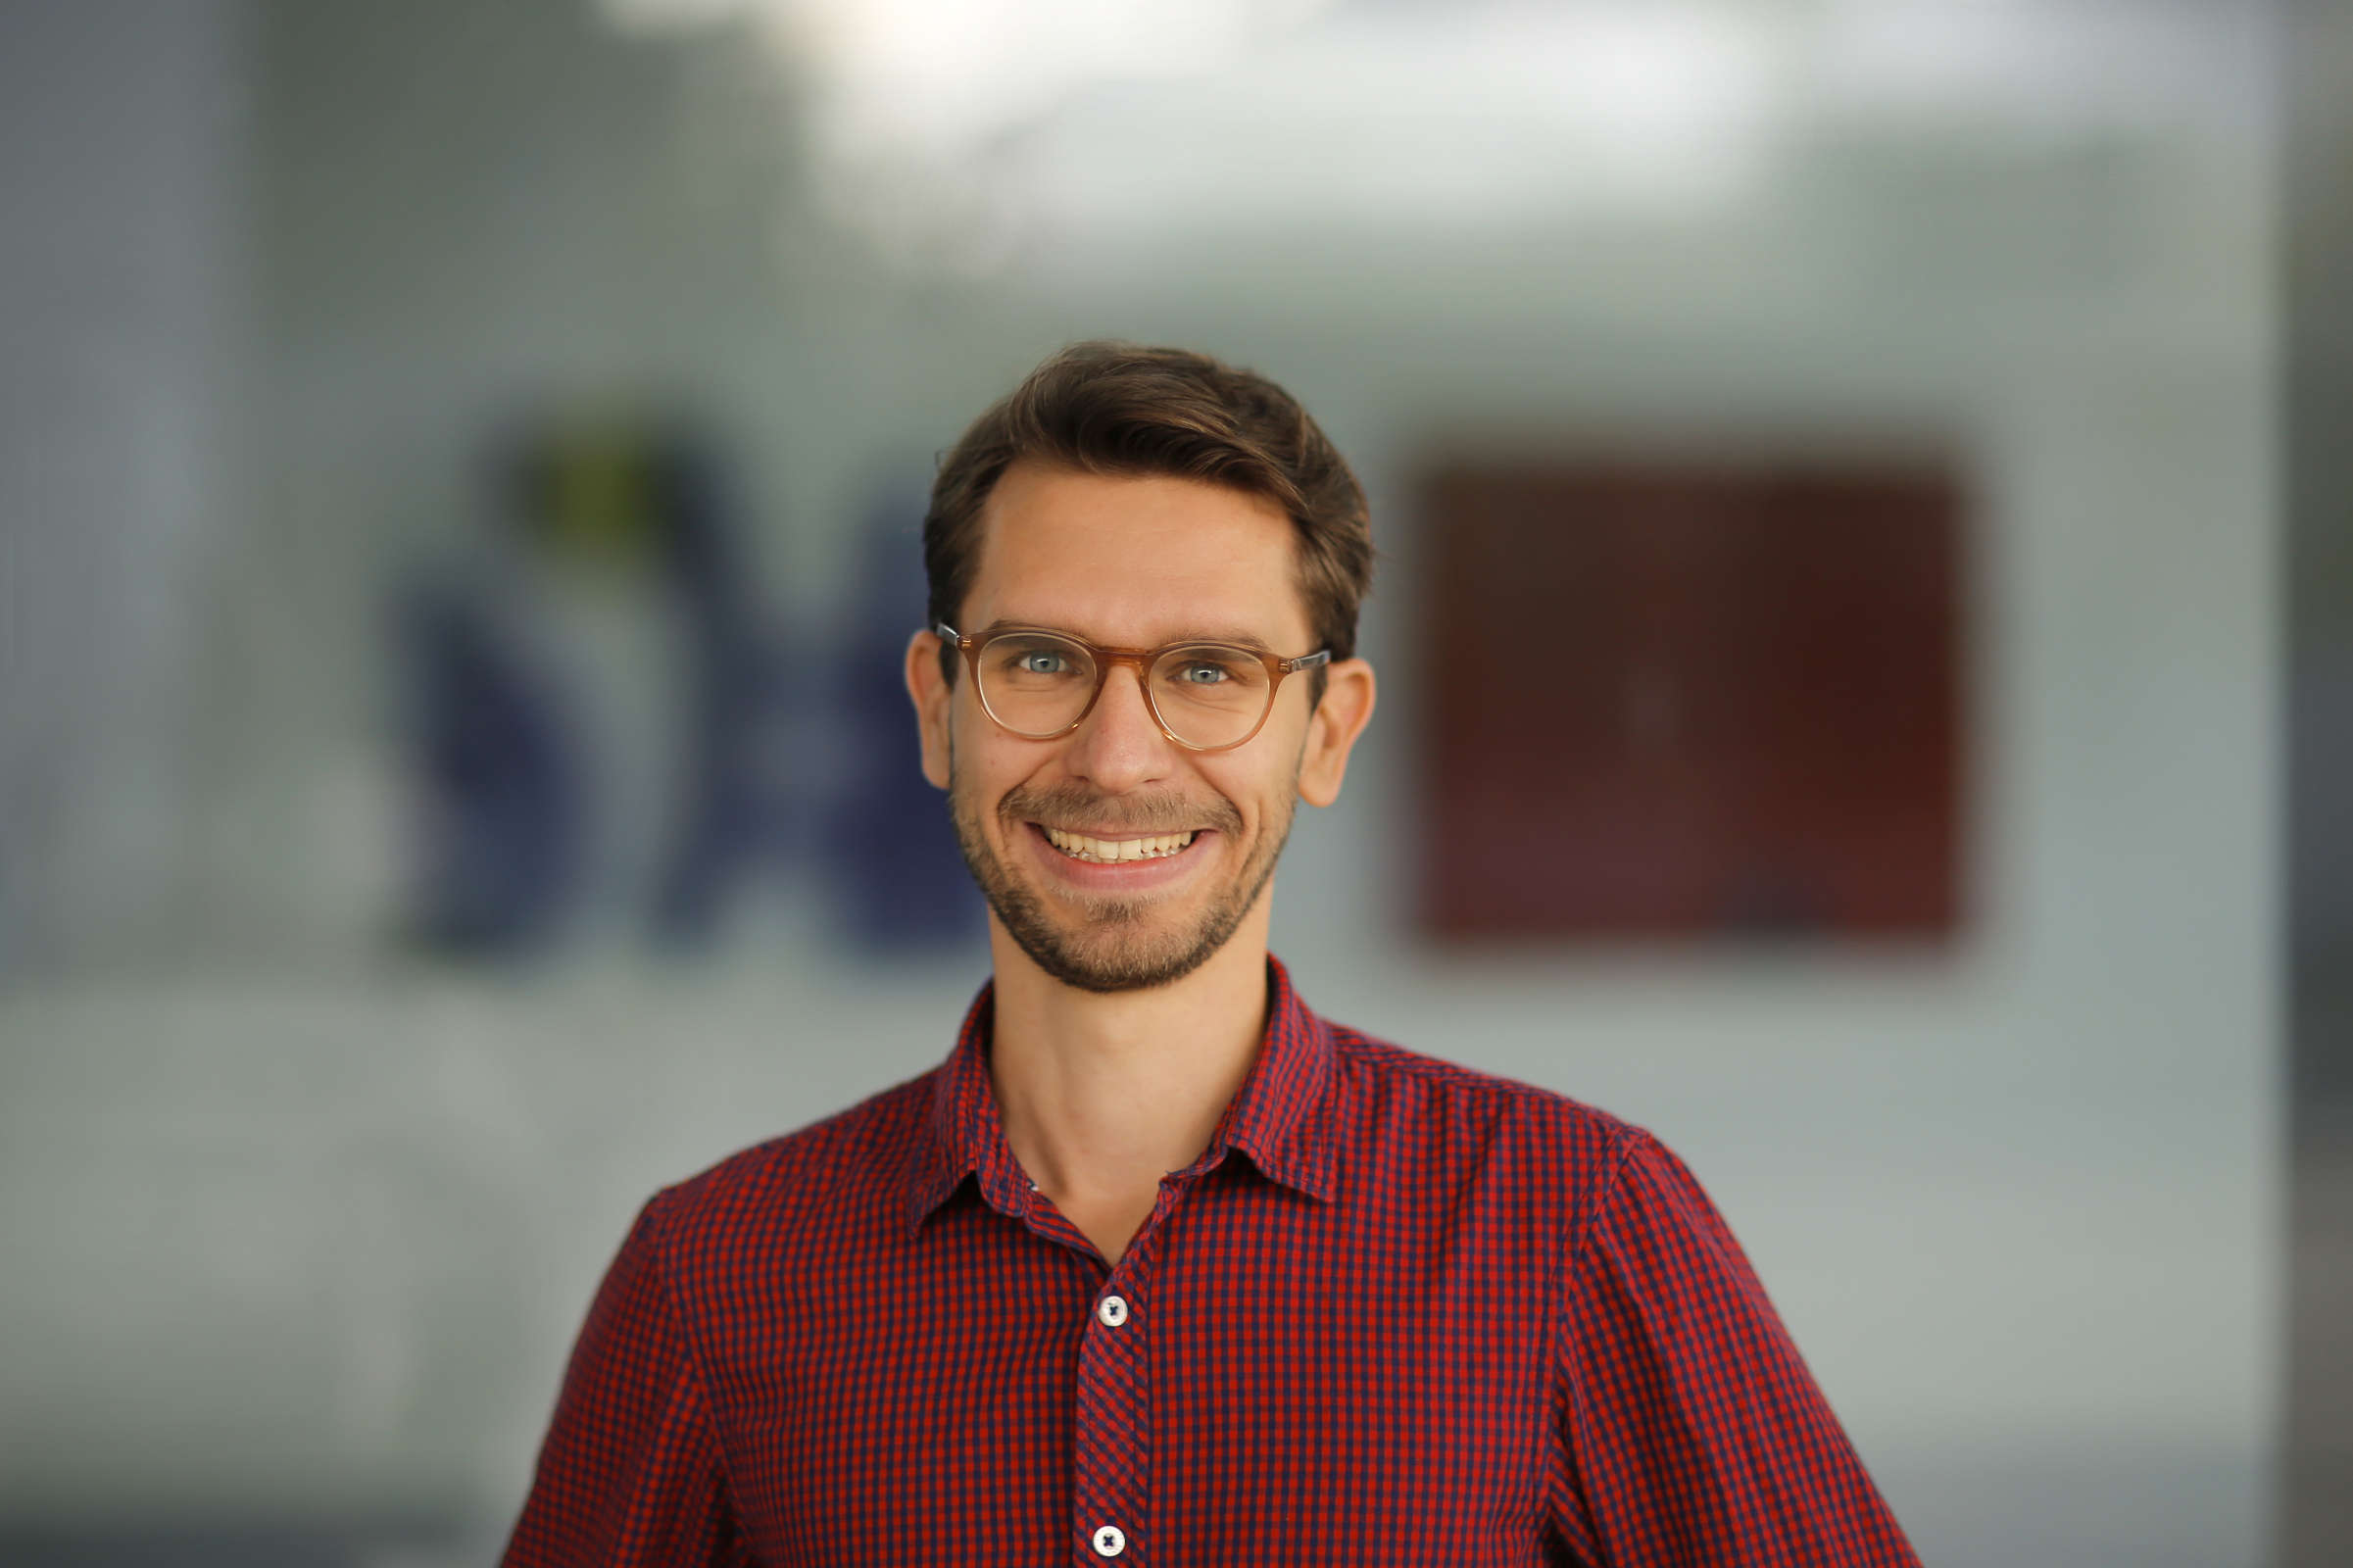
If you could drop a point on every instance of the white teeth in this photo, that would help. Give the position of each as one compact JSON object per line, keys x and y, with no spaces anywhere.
{"x":1079,"y":846}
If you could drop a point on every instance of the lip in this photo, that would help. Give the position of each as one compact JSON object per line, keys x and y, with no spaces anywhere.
{"x":1125,"y":876}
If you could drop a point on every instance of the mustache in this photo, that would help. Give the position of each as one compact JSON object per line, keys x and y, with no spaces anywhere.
{"x":1127,"y":814}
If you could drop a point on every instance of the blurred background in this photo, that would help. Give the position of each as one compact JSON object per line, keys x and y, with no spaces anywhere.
{"x":460,"y":468}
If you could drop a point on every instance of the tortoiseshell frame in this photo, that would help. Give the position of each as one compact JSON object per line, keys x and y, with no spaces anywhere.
{"x":1141,"y":660}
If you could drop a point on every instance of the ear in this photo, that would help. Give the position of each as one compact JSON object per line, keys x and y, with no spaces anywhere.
{"x":1333,"y":728}
{"x":930,"y":692}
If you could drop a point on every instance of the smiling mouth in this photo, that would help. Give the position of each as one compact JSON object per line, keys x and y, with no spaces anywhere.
{"x":1111,"y":851}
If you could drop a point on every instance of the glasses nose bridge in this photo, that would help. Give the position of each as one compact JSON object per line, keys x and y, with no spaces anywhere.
{"x":1138,"y":660}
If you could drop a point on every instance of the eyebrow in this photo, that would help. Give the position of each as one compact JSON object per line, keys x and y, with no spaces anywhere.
{"x":1232,"y":636}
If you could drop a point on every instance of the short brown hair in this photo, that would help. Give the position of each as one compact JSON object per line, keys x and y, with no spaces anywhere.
{"x":1123,"y":408}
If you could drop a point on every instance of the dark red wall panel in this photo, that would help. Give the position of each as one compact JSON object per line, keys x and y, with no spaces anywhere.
{"x":1671,"y":701}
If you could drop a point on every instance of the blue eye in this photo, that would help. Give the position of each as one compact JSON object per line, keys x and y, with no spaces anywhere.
{"x":1202,"y":674}
{"x":1041,"y":662}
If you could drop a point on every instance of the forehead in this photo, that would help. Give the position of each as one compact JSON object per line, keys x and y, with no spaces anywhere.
{"x":1135,"y":559}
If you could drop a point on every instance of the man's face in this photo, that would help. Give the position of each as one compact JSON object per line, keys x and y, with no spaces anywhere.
{"x":1130,"y":562}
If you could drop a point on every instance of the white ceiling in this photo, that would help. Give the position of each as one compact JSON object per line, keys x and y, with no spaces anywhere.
{"x":944,"y":129}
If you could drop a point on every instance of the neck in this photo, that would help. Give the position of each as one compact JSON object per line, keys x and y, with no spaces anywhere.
{"x":1101,"y":1095}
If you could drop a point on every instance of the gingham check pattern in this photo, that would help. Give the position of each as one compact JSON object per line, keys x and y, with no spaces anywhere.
{"x":1397,"y":1313}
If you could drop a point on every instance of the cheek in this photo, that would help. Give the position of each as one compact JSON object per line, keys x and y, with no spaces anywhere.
{"x":969,"y":734}
{"x":982,"y":770}
{"x":1253,"y":792}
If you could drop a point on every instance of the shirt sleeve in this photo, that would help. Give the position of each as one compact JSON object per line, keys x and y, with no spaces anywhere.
{"x":1693,"y":1434}
{"x":630,"y":1472}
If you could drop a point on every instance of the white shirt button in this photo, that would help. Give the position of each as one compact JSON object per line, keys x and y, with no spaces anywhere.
{"x":1113,"y":1309}
{"x":1108,"y":1542}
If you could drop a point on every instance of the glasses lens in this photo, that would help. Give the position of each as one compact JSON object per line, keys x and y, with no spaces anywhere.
{"x":1210,"y":695}
{"x":1034,"y":683}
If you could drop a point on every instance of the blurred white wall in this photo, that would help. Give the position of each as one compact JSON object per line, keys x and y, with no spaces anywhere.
{"x":296,"y":1231}
{"x":123,"y":250}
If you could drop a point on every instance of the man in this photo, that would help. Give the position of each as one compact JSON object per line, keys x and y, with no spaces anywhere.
{"x":1159,"y":1266}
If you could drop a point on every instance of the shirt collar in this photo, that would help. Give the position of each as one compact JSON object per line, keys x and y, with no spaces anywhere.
{"x":1278,"y":1117}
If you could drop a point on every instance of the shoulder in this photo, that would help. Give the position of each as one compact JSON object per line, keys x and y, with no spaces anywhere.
{"x":1600,"y":1188}
{"x":846,"y":1167}
{"x":1440,"y":1113}
{"x":1385,"y":1075}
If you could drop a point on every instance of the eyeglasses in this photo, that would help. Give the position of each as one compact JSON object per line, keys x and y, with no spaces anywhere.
{"x":1206,"y":696}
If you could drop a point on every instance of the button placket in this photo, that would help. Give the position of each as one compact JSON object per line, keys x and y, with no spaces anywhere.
{"x":1112,"y":1454}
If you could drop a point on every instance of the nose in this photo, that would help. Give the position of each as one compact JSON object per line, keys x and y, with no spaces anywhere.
{"x":1120,"y":746}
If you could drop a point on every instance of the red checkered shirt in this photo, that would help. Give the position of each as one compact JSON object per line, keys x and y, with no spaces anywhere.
{"x":1398,"y":1312}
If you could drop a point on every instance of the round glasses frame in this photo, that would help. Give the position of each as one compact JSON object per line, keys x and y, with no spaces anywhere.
{"x":1141,"y":660}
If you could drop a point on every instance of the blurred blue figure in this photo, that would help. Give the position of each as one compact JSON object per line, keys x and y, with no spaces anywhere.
{"x":597,"y":711}
{"x":735,"y":807}
{"x":500,"y":780}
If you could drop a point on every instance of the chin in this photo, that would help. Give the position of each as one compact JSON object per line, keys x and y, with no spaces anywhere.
{"x":1108,"y":928}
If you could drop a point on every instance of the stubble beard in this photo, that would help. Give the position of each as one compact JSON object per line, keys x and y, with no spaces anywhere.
{"x":1112,"y":946}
